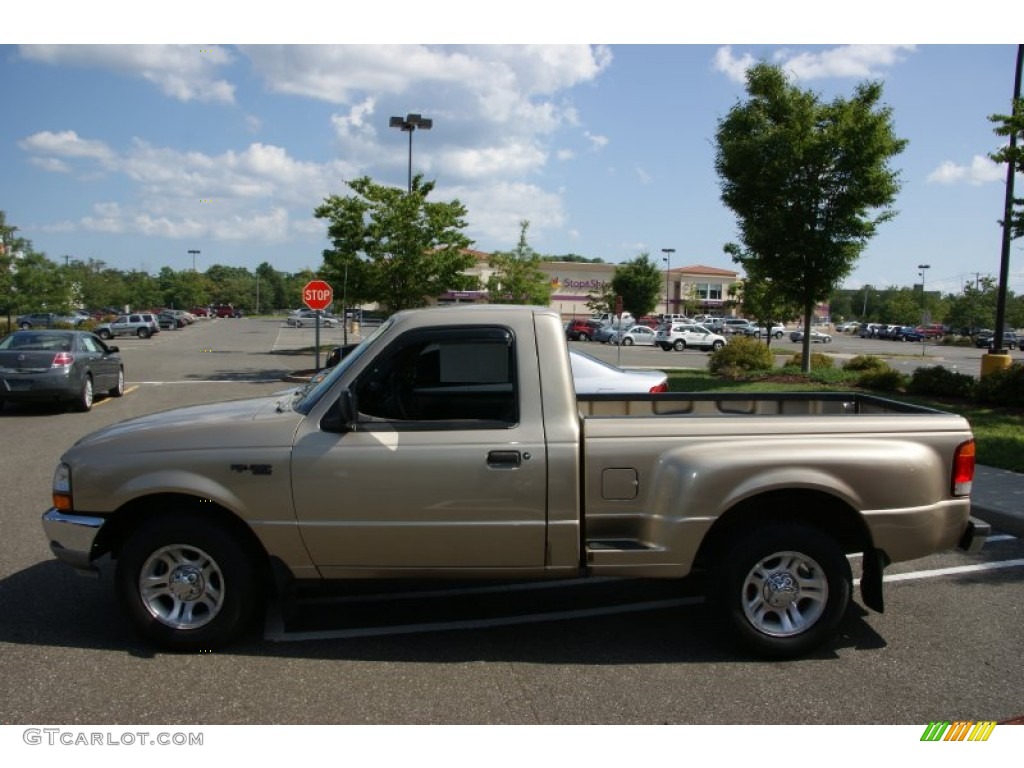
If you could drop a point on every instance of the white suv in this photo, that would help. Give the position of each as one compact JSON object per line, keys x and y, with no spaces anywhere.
{"x":683,"y":335}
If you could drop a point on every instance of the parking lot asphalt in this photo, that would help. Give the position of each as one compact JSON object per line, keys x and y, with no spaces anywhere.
{"x":998,"y":498}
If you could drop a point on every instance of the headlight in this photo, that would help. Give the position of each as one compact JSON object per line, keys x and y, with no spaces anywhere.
{"x":62,"y":488}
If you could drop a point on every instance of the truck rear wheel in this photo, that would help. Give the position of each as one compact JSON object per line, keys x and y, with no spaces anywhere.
{"x":187,"y":584}
{"x":783,"y":589}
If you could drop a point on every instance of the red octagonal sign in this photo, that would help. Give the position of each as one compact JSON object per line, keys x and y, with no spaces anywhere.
{"x":317,"y":294}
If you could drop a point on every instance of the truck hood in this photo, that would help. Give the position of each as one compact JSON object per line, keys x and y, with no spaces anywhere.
{"x":253,"y":423}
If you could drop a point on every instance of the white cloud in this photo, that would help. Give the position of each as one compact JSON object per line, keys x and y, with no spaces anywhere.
{"x":734,"y":68}
{"x":982,"y":170}
{"x":596,"y":142}
{"x":855,"y":61}
{"x":183,"y":72}
{"x":847,"y":61}
{"x":514,"y":159}
{"x":65,"y":144}
{"x":642,"y":176}
{"x":496,"y":210}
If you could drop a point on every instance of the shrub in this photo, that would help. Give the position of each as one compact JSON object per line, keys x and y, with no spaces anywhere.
{"x":741,"y":355}
{"x":865,"y":363}
{"x":889,"y":380}
{"x":942,"y":382}
{"x":818,"y":360}
{"x":1003,"y":388}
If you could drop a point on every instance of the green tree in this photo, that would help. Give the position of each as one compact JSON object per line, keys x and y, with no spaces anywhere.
{"x":271,"y":287}
{"x":1012,"y":126}
{"x":809,"y":182}
{"x":517,"y":276}
{"x":397,"y":248}
{"x":639,"y":283}
{"x":764,"y":299}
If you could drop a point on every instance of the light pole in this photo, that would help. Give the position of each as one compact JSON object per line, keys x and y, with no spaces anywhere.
{"x":410,"y":123}
{"x":667,"y":258}
{"x":194,"y":253}
{"x":924,"y":309}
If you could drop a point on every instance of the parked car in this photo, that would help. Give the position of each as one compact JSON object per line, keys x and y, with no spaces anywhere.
{"x":850,"y":326}
{"x":170,"y":322}
{"x":777,"y":331}
{"x":907,"y":333}
{"x":58,"y":366}
{"x":683,"y":335}
{"x":46,"y":320}
{"x":595,"y":377}
{"x":638,"y":334}
{"x":816,"y":337}
{"x":582,"y":330}
{"x":224,"y":310}
{"x":605,"y":334}
{"x":141,"y":324}
{"x":736,"y":325}
{"x":987,"y":339}
{"x":307,"y":317}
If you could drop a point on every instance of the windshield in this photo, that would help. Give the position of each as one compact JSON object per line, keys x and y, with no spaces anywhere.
{"x":304,"y":398}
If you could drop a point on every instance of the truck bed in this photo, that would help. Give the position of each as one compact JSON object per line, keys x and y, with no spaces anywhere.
{"x":745,"y":404}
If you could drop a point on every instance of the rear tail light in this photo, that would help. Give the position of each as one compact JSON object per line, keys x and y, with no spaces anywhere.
{"x":963,"y":469}
{"x":62,"y":360}
{"x":663,"y":387}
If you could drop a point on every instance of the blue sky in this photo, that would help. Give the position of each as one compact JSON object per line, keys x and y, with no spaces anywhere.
{"x":136,"y":154}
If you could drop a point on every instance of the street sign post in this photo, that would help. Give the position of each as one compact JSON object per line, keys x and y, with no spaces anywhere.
{"x":317,"y":295}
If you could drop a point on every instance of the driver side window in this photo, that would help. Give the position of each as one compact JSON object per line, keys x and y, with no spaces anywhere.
{"x":448,"y":375}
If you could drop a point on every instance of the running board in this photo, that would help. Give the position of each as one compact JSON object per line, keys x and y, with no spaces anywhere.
{"x":622,"y":552}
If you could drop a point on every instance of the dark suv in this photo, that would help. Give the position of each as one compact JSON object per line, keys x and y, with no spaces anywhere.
{"x":582,"y":330}
{"x":987,"y":339}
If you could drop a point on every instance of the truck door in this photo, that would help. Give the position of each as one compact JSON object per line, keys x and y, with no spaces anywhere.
{"x":446,"y":468}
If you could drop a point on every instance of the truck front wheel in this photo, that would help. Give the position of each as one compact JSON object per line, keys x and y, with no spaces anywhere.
{"x":187,"y":584}
{"x":783,"y":589}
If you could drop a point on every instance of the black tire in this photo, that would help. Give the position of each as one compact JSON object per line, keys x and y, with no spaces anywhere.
{"x":26,"y":326}
{"x":187,"y":583}
{"x":716,"y":345}
{"x":103,"y":333}
{"x":143,"y":333}
{"x":83,"y":403}
{"x":118,"y":390}
{"x":782,"y":589}
{"x":628,"y":341}
{"x":584,"y":337}
{"x":679,"y":345}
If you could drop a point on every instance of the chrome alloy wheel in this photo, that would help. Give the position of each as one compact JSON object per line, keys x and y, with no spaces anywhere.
{"x":182,"y":586}
{"x":784,"y":594}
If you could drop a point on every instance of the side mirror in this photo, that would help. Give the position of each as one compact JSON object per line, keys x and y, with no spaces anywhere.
{"x":111,"y":350}
{"x":342,"y":415}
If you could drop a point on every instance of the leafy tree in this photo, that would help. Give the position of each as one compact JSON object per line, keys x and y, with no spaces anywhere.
{"x":764,"y":300}
{"x":397,"y":248}
{"x":601,"y":300}
{"x":639,"y":283}
{"x":517,"y":276}
{"x":576,"y":258}
{"x":809,"y":182}
{"x":271,"y":285}
{"x":1012,"y":126}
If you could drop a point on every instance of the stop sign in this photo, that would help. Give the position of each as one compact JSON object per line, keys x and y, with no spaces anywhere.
{"x":317,"y":295}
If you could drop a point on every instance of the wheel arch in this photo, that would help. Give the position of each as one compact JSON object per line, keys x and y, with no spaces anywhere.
{"x":810,"y":507}
{"x":138,"y":512}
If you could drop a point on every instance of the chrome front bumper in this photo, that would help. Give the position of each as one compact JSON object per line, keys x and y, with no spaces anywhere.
{"x":72,"y":537}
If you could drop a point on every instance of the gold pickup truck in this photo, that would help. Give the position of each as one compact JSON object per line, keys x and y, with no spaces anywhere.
{"x":451,"y":444}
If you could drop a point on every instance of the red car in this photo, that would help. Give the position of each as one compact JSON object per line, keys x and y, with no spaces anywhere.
{"x":581,"y":330}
